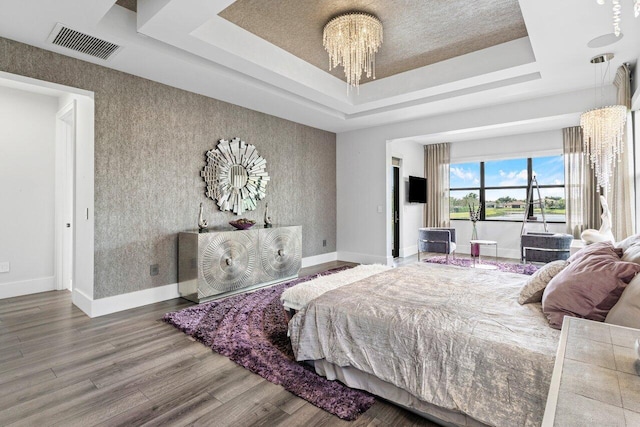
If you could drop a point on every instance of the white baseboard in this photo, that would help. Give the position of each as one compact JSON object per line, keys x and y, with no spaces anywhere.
{"x":27,"y":287}
{"x":364,"y":258}
{"x":82,"y":301}
{"x":319,"y":259}
{"x":104,"y":306}
{"x":408,"y":251}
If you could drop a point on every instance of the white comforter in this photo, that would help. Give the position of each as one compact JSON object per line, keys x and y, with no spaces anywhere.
{"x":454,"y":337}
{"x":298,"y":296}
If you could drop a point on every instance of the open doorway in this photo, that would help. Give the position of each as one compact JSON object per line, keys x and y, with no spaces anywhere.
{"x":47,"y":181}
{"x":395,"y":206}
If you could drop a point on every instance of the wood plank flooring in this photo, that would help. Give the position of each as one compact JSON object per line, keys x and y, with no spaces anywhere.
{"x":58,"y":367}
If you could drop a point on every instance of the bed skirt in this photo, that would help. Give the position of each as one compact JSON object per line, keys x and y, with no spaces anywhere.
{"x":354,"y":378}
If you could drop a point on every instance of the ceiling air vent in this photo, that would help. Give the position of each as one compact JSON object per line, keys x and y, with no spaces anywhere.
{"x":83,"y":43}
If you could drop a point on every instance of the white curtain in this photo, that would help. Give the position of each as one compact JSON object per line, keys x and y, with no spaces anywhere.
{"x":581,"y":195}
{"x":436,"y":170}
{"x":621,"y":196}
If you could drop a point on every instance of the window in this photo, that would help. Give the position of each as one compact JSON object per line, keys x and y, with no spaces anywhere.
{"x":501,"y":187}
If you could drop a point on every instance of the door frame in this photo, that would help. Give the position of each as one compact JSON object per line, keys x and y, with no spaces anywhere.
{"x":66,"y":120}
{"x":396,"y":217}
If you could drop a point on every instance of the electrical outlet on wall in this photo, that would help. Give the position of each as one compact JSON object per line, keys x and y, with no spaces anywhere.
{"x":5,"y":267}
{"x":324,"y":243}
{"x":154,"y":269}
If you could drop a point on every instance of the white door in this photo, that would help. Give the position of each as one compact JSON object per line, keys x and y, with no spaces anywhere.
{"x":65,"y":196}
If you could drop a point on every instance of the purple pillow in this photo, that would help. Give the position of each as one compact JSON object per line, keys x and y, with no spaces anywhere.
{"x":589,"y":286}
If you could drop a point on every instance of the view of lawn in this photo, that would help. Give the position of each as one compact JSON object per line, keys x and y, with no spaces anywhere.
{"x":504,"y":213}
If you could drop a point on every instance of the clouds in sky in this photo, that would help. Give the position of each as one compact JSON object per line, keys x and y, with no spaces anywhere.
{"x":510,"y":173}
{"x":468,"y":177}
{"x":513,"y":178}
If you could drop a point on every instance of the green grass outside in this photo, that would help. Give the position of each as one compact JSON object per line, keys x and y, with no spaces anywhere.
{"x":493,"y":212}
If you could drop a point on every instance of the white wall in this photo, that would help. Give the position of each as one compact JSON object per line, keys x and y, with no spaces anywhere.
{"x":362,"y":185}
{"x":364,"y":157}
{"x":546,"y":143}
{"x":411,"y":155}
{"x":27,"y":162}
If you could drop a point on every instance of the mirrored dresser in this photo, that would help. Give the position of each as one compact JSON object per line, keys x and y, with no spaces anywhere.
{"x":223,"y":261}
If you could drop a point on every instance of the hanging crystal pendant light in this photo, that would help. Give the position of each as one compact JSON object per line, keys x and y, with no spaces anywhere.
{"x":602,"y":133}
{"x":617,"y":8}
{"x":352,"y":40}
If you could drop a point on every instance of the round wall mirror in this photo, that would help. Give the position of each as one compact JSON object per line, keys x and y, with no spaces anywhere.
{"x":239,"y":176}
{"x":235,"y":176}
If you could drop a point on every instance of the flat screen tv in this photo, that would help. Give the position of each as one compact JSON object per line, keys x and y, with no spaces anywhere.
{"x":417,"y":190}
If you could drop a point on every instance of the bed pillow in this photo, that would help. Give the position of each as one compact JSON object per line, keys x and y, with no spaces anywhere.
{"x":626,"y":312}
{"x":632,"y":254}
{"x":591,"y":246}
{"x":590,"y":285}
{"x":534,"y":287}
{"x":628,"y":242}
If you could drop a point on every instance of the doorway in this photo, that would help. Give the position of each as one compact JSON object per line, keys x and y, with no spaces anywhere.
{"x":65,"y":174}
{"x":395,"y":206}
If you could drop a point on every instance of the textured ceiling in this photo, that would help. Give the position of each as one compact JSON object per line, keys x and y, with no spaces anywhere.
{"x":416,"y":32}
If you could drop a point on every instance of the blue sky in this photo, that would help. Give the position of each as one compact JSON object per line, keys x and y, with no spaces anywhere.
{"x":511,"y":172}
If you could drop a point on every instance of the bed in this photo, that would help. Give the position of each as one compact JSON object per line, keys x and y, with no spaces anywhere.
{"x":450,"y":343}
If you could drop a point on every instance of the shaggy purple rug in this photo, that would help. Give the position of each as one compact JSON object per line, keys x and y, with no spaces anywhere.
{"x":502,"y":266}
{"x":251,"y":330}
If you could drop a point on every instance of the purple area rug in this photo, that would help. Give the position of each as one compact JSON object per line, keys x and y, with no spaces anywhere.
{"x":502,"y":266}
{"x":251,"y":330}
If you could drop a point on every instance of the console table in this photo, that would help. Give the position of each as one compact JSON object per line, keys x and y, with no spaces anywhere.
{"x":223,"y":261}
{"x":595,"y":379}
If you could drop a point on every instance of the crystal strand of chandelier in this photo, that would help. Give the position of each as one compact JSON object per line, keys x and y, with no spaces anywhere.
{"x":616,"y":17}
{"x":352,"y":42}
{"x":603,"y":131}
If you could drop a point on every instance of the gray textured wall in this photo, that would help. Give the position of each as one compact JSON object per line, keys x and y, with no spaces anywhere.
{"x":150,"y":144}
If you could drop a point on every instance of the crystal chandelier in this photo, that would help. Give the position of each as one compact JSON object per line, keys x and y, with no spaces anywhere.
{"x":602,"y":135}
{"x":616,"y":13}
{"x":602,"y":131}
{"x":352,"y":41}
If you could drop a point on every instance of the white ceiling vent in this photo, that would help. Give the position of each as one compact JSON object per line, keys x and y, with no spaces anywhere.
{"x":83,"y":43}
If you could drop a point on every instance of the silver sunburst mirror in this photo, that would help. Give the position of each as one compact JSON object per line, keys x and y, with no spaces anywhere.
{"x":235,"y":176}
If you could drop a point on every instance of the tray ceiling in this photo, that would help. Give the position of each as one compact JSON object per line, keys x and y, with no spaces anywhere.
{"x":188,"y":44}
{"x":416,"y":32}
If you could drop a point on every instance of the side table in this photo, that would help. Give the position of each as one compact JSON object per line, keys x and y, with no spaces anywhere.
{"x":576,"y":245}
{"x":483,"y":243}
{"x":596,"y":378}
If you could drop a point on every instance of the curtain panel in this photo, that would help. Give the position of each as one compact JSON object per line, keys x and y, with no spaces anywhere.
{"x":436,"y":170}
{"x":621,"y":195}
{"x":581,"y":194}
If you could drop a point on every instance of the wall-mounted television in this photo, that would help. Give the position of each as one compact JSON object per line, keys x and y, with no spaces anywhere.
{"x":417,"y":190}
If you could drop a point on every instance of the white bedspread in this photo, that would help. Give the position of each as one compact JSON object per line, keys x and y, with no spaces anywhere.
{"x":454,"y":337}
{"x":299,"y":295}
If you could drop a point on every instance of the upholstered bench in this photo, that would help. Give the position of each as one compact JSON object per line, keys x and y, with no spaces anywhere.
{"x":545,"y":247}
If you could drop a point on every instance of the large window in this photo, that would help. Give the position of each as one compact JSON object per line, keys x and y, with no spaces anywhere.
{"x":500,"y":186}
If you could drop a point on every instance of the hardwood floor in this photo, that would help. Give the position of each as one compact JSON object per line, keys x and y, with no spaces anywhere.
{"x":59,"y":367}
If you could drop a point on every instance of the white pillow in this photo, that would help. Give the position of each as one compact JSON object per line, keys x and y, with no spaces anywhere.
{"x":628,"y":242}
{"x":534,"y":287}
{"x":632,"y":253}
{"x":626,"y":312}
